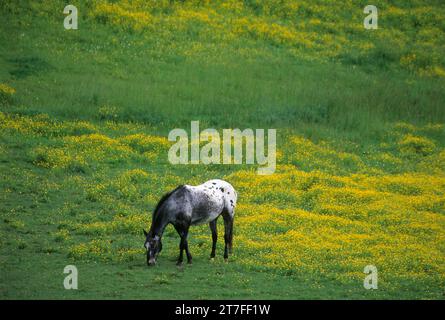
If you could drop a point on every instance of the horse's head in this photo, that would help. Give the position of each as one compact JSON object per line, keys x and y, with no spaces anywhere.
{"x":153,"y":246}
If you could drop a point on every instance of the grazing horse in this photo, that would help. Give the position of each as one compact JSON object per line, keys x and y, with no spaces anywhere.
{"x":191,"y":205}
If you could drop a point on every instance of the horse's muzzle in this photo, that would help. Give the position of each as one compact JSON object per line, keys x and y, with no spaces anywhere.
{"x":151,"y":262}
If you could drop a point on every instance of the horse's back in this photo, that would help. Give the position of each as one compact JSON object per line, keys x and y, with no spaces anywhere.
{"x":228,"y":191}
{"x":210,"y":199}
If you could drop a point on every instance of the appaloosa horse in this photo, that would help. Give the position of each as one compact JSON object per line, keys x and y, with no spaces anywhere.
{"x":191,"y":205}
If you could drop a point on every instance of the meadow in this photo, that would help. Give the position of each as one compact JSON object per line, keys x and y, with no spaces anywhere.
{"x":360,"y":179}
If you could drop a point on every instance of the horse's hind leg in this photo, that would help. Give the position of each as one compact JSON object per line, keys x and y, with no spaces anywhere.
{"x":228,"y":233}
{"x":230,"y":244}
{"x":213,"y":228}
{"x":231,"y":236}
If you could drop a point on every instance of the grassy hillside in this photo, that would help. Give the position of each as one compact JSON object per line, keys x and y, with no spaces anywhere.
{"x":84,"y":116}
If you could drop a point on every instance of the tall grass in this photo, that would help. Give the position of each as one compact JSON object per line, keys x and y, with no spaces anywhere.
{"x":74,"y":74}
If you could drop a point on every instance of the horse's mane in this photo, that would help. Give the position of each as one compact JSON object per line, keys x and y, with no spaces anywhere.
{"x":163,"y":199}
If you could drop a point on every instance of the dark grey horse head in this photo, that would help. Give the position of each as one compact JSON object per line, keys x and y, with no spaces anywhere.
{"x":153,"y":246}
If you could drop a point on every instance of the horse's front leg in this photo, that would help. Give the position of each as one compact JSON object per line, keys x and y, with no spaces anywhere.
{"x":181,"y":252}
{"x":183,"y":245}
{"x":187,"y":252}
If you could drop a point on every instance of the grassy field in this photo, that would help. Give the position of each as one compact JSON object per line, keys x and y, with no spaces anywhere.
{"x":360,"y":179}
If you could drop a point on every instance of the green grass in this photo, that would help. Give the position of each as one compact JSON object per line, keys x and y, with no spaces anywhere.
{"x":123,"y":81}
{"x":34,"y":209}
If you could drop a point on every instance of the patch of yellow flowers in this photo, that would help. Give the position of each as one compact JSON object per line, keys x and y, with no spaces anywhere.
{"x":313,"y":29}
{"x":395,"y":222}
{"x":6,"y":90}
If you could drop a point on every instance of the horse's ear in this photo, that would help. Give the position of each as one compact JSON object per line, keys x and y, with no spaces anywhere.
{"x":145,"y":232}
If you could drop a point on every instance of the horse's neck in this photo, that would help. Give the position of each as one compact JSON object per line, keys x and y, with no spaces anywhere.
{"x":158,"y":226}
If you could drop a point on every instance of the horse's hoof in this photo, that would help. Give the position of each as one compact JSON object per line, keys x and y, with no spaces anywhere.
{"x":226,"y":259}
{"x":212,"y":259}
{"x":189,"y":263}
{"x":179,"y":264}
